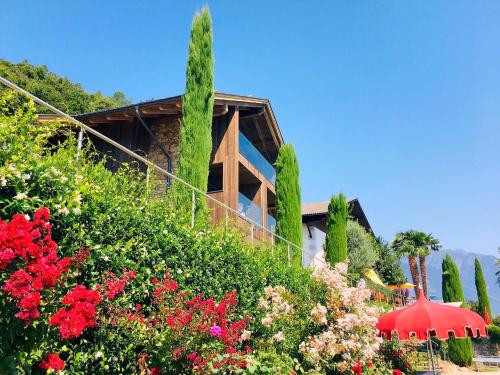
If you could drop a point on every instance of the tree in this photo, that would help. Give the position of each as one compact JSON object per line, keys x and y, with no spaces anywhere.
{"x":459,"y":350}
{"x":360,"y":247}
{"x":288,"y":206}
{"x":387,"y":265}
{"x":429,"y":244}
{"x":195,"y":143}
{"x":415,"y":244}
{"x":336,"y":232}
{"x":59,"y":91}
{"x":482,"y":291}
{"x":451,"y":284}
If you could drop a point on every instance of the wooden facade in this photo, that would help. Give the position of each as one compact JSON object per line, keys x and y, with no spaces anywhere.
{"x":237,"y":174}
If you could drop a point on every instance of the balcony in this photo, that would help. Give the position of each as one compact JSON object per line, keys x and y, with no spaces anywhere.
{"x":249,"y":209}
{"x":271,"y":223}
{"x":250,"y":152}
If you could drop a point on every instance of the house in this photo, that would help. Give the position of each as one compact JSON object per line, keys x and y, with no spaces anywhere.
{"x":246,"y":139}
{"x":314,"y":228}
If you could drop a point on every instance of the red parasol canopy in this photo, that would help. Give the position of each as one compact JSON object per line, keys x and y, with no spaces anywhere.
{"x":426,"y":318}
{"x":487,"y":318}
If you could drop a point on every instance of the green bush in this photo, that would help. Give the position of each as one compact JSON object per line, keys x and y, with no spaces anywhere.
{"x":460,"y":351}
{"x":360,"y":247}
{"x":494,"y":333}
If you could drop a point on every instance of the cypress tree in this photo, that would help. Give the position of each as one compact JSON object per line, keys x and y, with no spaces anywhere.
{"x":482,"y":292}
{"x":451,"y":285}
{"x":336,"y":230}
{"x":288,"y":207}
{"x":195,"y":143}
{"x":459,"y":350}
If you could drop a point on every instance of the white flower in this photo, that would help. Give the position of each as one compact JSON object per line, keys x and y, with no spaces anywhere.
{"x":3,"y":181}
{"x":21,"y":196}
{"x":267,"y":321}
{"x":63,"y":211}
{"x":245,"y":335}
{"x":98,"y":355}
{"x":26,"y":176}
{"x":64,"y":179}
{"x":105,"y":258}
{"x":279,"y":337}
{"x":77,"y":211}
{"x":179,"y":271}
{"x":27,"y":217}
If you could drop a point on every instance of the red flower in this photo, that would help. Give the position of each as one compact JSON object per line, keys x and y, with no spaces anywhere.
{"x":28,"y":306}
{"x":191,"y":356}
{"x":80,"y":315}
{"x":396,"y":372}
{"x":357,"y":369}
{"x":369,"y":364}
{"x":231,"y":351}
{"x":138,"y":307}
{"x":52,"y":362}
{"x":19,"y":283}
{"x":154,"y":280}
{"x":248,"y":348}
{"x":155,"y":371}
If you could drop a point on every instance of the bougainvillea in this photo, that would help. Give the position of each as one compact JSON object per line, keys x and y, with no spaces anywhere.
{"x":27,"y":246}
{"x":53,"y":362}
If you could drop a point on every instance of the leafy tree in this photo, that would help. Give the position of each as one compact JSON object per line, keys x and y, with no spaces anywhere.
{"x":195,"y":144}
{"x":415,"y":244}
{"x":288,"y":206}
{"x":360,"y":247}
{"x":336,"y":232}
{"x":387,"y":265}
{"x":482,"y":291}
{"x":459,"y":350}
{"x":58,"y":91}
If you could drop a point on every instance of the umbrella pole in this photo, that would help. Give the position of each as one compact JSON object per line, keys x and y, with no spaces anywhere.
{"x":431,"y":351}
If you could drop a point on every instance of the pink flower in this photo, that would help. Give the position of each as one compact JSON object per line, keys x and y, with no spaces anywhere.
{"x":215,"y":331}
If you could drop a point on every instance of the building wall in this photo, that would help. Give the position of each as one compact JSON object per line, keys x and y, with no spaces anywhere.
{"x":313,"y":246}
{"x":168,"y":135}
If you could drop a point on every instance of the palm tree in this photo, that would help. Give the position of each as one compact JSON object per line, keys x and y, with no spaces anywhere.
{"x":427,"y":244}
{"x":415,"y":244}
{"x":402,"y":245}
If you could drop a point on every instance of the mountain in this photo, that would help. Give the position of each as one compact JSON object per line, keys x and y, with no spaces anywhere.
{"x":465,"y":264}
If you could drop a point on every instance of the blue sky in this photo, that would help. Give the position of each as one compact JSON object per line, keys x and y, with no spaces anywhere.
{"x":394,"y":102}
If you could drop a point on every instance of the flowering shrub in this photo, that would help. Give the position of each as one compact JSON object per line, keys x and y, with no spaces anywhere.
{"x":28,"y":247}
{"x":348,"y":337}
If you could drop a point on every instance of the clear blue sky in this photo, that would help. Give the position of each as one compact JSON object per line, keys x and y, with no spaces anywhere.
{"x":394,"y":102}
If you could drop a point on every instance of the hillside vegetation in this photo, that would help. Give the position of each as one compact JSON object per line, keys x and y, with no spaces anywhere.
{"x":59,"y":91}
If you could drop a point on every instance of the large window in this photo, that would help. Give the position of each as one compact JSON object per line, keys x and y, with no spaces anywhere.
{"x":215,"y":180}
{"x":250,"y":152}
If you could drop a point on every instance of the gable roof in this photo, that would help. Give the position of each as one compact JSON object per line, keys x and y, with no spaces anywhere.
{"x":316,"y":212}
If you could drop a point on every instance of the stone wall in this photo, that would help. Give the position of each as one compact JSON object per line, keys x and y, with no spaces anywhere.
{"x":484,"y":347}
{"x":168,"y":135}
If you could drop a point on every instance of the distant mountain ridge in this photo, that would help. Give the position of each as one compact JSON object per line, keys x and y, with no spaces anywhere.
{"x":465,"y":264}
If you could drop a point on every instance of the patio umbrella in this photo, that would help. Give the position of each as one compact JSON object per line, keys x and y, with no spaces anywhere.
{"x":402,"y":286}
{"x":425,"y":319}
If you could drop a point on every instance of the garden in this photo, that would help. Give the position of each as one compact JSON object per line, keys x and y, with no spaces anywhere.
{"x":99,"y":275}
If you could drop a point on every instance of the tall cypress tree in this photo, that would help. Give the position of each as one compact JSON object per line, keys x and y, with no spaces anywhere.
{"x":288,"y":207}
{"x":459,"y":350}
{"x":195,"y":144}
{"x":336,"y":232}
{"x":482,"y":293}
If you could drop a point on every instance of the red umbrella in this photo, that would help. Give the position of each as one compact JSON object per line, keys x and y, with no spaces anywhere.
{"x":487,"y":318}
{"x":424,"y":319}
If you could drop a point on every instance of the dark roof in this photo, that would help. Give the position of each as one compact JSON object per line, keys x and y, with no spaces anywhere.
{"x":316,"y":212}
